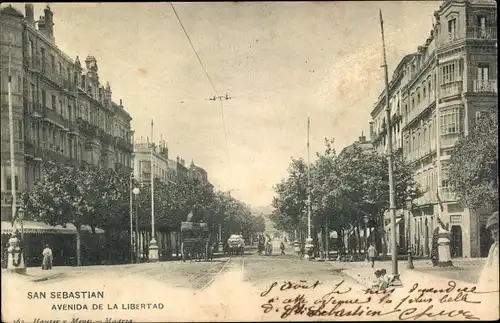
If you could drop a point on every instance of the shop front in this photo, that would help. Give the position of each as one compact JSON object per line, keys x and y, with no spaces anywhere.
{"x":62,"y":241}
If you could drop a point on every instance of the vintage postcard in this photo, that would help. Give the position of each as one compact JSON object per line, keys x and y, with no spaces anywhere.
{"x":249,"y":161}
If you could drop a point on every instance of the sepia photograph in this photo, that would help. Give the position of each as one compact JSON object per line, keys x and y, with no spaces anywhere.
{"x":241,"y":161}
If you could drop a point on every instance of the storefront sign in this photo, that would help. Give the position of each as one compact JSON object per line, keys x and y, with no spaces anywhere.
{"x":455,"y":219}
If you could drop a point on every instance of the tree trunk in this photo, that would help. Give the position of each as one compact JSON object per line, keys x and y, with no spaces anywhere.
{"x":358,"y":238}
{"x":78,"y":246}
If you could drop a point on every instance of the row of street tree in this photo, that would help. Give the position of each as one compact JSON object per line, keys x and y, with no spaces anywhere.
{"x":348,"y":191}
{"x":351,"y":188}
{"x":100,"y":198}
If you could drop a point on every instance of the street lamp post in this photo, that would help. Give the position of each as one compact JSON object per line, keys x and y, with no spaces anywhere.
{"x":131,"y":183}
{"x":396,"y":281}
{"x":153,"y":246}
{"x":133,"y":237}
{"x":309,"y":246}
{"x":409,"y":207}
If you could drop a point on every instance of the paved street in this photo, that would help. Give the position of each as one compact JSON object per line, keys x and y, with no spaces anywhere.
{"x":230,"y":288}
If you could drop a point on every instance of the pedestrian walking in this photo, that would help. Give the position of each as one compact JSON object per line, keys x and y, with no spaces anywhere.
{"x":372,"y":252}
{"x":47,"y":258}
{"x":282,"y":247}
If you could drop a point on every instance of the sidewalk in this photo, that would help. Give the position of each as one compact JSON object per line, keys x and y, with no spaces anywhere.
{"x":423,"y":273}
{"x":35,"y":274}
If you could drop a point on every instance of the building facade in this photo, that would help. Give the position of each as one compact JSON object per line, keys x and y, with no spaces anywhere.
{"x":61,"y":111}
{"x":144,"y":153}
{"x":438,"y":93}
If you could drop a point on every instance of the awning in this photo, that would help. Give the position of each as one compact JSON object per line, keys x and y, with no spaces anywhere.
{"x":388,"y":227}
{"x":41,"y":227}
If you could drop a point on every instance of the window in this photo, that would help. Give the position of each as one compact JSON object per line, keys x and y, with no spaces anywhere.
{"x":424,"y":92}
{"x":20,"y":130}
{"x":483,"y":72}
{"x":450,"y":121}
{"x":54,"y":107}
{"x":9,"y":182}
{"x":44,"y":99}
{"x":19,"y":84}
{"x":452,"y":29}
{"x":145,"y":166}
{"x":481,"y":23}
{"x":30,"y":51}
{"x":448,"y":73}
{"x":42,"y":53}
{"x":33,"y":93}
{"x":53,"y":63}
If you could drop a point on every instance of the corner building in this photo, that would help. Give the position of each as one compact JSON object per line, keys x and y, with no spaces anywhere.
{"x":61,"y":110}
{"x":436,"y":95}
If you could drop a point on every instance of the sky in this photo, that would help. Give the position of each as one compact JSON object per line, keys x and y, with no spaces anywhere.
{"x":280,"y":61}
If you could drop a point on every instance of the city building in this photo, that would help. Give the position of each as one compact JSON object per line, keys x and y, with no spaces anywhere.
{"x":365,"y":145}
{"x":142,"y":161}
{"x":436,"y":94}
{"x":61,"y":113}
{"x":60,"y":109}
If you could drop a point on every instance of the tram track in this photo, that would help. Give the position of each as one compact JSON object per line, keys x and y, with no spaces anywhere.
{"x":233,"y":262}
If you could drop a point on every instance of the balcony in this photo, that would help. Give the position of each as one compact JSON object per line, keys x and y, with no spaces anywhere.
{"x":485,"y":86}
{"x":451,"y":89}
{"x":122,"y":143}
{"x":447,"y":194}
{"x":56,"y":156}
{"x":449,"y":141}
{"x":87,"y":128}
{"x":37,"y":110}
{"x":426,"y":198}
{"x":53,"y":117}
{"x":487,"y":33}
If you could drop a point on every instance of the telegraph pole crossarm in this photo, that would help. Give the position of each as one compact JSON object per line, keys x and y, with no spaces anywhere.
{"x":392,"y":196}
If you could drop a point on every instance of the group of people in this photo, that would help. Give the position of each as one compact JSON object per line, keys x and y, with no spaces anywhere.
{"x":382,"y":280}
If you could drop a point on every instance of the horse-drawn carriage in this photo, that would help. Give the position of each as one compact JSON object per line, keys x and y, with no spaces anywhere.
{"x":195,"y":241}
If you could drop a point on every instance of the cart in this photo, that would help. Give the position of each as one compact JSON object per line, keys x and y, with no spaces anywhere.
{"x":195,"y":241}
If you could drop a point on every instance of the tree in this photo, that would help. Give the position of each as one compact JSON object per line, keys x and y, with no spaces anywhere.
{"x":290,"y":208}
{"x":64,"y":194}
{"x":344,"y":190}
{"x":473,"y":166}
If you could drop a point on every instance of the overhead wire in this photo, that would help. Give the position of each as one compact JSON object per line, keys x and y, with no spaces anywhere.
{"x":211,"y":82}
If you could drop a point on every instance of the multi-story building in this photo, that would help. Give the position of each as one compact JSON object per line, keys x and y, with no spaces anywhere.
{"x":61,"y":111}
{"x":365,"y":145}
{"x":144,"y":152}
{"x":444,"y":86}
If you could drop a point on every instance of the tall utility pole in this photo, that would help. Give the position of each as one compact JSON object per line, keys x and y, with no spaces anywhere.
{"x":21,"y":266}
{"x":309,"y":246}
{"x":131,"y":218}
{"x":153,"y":247}
{"x":392,"y":194}
{"x":11,"y":139}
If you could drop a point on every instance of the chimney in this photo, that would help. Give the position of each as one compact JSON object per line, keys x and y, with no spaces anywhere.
{"x":371,"y":130}
{"x":41,"y":24}
{"x":30,"y":14}
{"x":49,"y":22}
{"x":362,"y":138}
